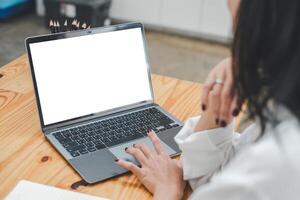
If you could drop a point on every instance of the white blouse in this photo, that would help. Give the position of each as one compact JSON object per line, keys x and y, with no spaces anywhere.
{"x":220,"y":164}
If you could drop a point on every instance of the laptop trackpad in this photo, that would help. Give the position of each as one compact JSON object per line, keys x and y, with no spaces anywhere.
{"x":119,"y":151}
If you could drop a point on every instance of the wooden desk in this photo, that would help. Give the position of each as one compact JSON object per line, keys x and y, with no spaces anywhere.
{"x":25,"y":154}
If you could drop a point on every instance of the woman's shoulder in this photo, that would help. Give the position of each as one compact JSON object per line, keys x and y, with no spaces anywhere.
{"x":285,"y":139}
{"x":280,"y":144}
{"x":279,"y":147}
{"x":269,"y":167}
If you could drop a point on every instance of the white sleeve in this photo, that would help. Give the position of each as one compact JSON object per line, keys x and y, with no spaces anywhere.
{"x":260,"y":171}
{"x":241,"y":179}
{"x":206,"y":152}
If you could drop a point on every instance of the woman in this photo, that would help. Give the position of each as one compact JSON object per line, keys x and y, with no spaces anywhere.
{"x":264,"y":73}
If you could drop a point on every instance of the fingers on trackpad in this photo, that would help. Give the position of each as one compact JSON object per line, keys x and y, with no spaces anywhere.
{"x":120,"y":153}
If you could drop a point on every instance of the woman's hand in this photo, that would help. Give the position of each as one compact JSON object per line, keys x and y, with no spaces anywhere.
{"x":161,"y":175}
{"x":219,"y":103}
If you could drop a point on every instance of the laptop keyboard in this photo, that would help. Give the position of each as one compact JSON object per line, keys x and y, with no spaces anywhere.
{"x":106,"y":133}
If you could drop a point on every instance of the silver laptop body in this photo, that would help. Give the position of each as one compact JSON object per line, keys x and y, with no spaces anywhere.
{"x":90,"y":122}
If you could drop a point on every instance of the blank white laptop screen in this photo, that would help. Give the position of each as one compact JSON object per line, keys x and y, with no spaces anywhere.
{"x":88,"y":74}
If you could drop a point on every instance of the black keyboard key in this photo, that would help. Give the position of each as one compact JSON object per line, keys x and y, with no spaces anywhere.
{"x":136,"y":136}
{"x":75,"y":138}
{"x":71,"y":144}
{"x":119,"y":130}
{"x":67,"y":134}
{"x":97,"y":142}
{"x":165,"y":121}
{"x":83,"y":151}
{"x":100,"y":146}
{"x":168,"y":127}
{"x":128,"y":137}
{"x":91,"y":149}
{"x":73,"y":133}
{"x":106,"y":140}
{"x":76,"y":148}
{"x":105,"y":125}
{"x":83,"y":135}
{"x":96,"y":137}
{"x":59,"y":136}
{"x":82,"y":141}
{"x":65,"y":140}
{"x":91,"y":133}
{"x":106,"y":129}
{"x":127,"y":134}
{"x":75,"y":154}
{"x":90,"y":144}
{"x":98,"y":132}
{"x":112,"y":143}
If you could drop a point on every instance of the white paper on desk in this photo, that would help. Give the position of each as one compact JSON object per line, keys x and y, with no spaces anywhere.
{"x":26,"y":190}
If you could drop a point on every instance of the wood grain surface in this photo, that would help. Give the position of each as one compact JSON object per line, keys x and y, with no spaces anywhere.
{"x":25,"y":154}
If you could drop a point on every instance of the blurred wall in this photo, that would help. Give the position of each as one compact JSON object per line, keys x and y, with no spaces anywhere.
{"x":209,"y":19}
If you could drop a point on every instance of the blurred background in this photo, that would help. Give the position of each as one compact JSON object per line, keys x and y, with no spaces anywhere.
{"x":186,"y":38}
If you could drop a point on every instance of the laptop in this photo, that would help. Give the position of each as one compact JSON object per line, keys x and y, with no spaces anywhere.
{"x":94,"y":97}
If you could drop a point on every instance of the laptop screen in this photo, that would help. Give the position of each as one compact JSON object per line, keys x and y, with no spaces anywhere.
{"x":83,"y":75}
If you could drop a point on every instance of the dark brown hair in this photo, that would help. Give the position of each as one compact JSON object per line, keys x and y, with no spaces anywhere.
{"x":266,"y":56}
